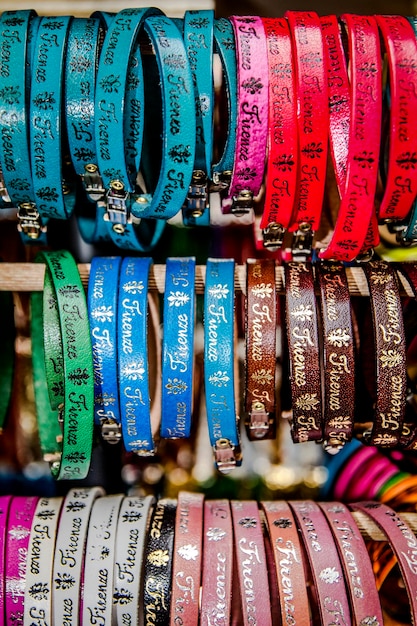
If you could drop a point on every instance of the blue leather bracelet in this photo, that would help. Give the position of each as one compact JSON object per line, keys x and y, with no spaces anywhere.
{"x":132,"y":350}
{"x":219,"y":363}
{"x":178,"y":347}
{"x":102,"y":312}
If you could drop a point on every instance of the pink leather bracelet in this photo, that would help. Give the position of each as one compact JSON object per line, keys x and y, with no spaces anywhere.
{"x":5,"y":502}
{"x":367,"y":485}
{"x":252,"y":114}
{"x":251,"y":563}
{"x":21,"y":514}
{"x":350,"y":470}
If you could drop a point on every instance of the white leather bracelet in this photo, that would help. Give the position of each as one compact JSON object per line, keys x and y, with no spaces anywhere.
{"x":130,"y":541}
{"x":99,"y":560}
{"x":38,"y":590}
{"x":69,"y":554}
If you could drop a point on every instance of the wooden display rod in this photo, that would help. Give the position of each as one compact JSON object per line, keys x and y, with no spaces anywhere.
{"x":369,"y":530}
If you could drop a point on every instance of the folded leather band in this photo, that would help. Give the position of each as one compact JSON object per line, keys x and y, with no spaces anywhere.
{"x":252,"y":113}
{"x":219,"y":363}
{"x":338,"y":355}
{"x":5,"y":502}
{"x":178,"y":347}
{"x":357,"y":567}
{"x":251,"y":563}
{"x":389,"y":395}
{"x":303,"y":343}
{"x":40,"y":556}
{"x":188,"y":560}
{"x":69,"y":554}
{"x":324,"y":560}
{"x":131,"y":533}
{"x":216,"y":592}
{"x":260,"y":331}
{"x":356,"y":212}
{"x":289,"y":563}
{"x":158,"y":563}
{"x":99,"y":557}
{"x":102,"y":312}
{"x":20,"y":516}
{"x":282,"y":162}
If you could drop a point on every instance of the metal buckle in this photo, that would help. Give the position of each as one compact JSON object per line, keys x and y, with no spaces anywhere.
{"x":273,"y":236}
{"x":117,"y":210}
{"x":258,"y":422}
{"x":224,"y":455}
{"x":197,"y":197}
{"x":302,"y":242}
{"x":221,"y":181}
{"x":242,"y":203}
{"x":3,"y":191}
{"x":111,"y":431}
{"x":29,"y":220}
{"x":93,"y":183}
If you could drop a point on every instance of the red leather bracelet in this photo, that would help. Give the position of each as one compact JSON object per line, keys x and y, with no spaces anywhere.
{"x":313,"y":124}
{"x":357,"y":211}
{"x":282,"y":162}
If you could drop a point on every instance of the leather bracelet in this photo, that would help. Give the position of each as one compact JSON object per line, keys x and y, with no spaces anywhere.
{"x":7,"y":342}
{"x":338,"y":356}
{"x":69,"y":553}
{"x":177,"y":347}
{"x":99,"y":560}
{"x":282,"y":162}
{"x":132,"y":350}
{"x":21,"y":512}
{"x":71,"y":362}
{"x":38,"y":586}
{"x":260,"y":331}
{"x":356,"y":211}
{"x":400,"y":186}
{"x":102,"y":311}
{"x":251,"y":562}
{"x":130,"y":543}
{"x":252,"y":112}
{"x":351,"y":470}
{"x":188,"y":559}
{"x":216,"y":592}
{"x":313,"y":123}
{"x":390,"y":354}
{"x":324,"y":562}
{"x":5,"y":502}
{"x":364,"y":599}
{"x":218,"y":363}
{"x":54,"y":192}
{"x":302,"y":338}
{"x":158,"y":563}
{"x":289,"y":566}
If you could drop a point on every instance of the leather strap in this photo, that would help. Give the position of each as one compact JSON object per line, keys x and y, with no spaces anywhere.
{"x":303,"y":342}
{"x":102,"y":312}
{"x":5,"y":502}
{"x":351,"y":471}
{"x":216,"y":592}
{"x":252,"y":113}
{"x":219,"y":364}
{"x":390,"y":354}
{"x":178,"y":347}
{"x":260,"y":331}
{"x":21,"y":512}
{"x":158,"y":563}
{"x":325,"y":564}
{"x":282,"y":162}
{"x":289,"y":563}
{"x":338,"y":355}
{"x":131,"y":534}
{"x":40,"y":556}
{"x":69,"y":553}
{"x":99,"y":560}
{"x":188,"y":560}
{"x":251,"y":562}
{"x":313,"y":124}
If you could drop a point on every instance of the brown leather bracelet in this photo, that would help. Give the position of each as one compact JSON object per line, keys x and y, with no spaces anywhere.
{"x":261,"y":320}
{"x":389,"y":395}
{"x":288,"y":558}
{"x":364,"y":599}
{"x":324,"y":562}
{"x":304,"y":356}
{"x":338,"y":355}
{"x":251,"y":563}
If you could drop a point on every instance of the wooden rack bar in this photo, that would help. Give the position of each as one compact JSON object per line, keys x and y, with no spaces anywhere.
{"x":369,"y":530}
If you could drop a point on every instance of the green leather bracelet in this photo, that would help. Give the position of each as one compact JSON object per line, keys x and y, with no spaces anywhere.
{"x":68,"y":353}
{"x":7,"y":336}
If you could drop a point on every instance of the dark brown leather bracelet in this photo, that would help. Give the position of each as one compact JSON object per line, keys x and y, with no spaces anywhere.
{"x":304,"y":354}
{"x":261,"y":320}
{"x":338,"y":355}
{"x":389,"y":396}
